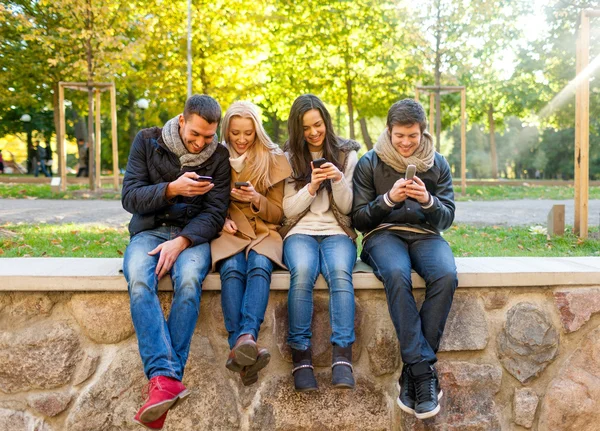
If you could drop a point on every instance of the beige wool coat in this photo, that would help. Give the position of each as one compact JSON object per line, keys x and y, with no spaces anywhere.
{"x":257,"y":227}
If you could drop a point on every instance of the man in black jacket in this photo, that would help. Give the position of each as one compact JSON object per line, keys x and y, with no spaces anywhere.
{"x":177,"y":188}
{"x":401,"y":220}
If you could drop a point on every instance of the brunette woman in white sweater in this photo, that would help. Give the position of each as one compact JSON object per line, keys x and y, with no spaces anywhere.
{"x":318,"y":237}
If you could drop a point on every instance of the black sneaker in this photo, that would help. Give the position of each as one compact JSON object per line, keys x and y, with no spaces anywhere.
{"x":427,"y":390}
{"x":406,"y":387}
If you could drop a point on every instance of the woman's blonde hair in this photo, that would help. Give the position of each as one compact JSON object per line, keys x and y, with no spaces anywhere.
{"x":261,"y":155}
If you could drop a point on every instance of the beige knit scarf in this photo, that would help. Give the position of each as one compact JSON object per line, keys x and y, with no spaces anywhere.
{"x":422,"y":158}
{"x":172,"y":139}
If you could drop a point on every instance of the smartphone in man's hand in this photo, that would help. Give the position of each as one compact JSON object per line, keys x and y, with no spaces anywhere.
{"x":204,"y":178}
{"x":319,"y":162}
{"x":411,"y":170}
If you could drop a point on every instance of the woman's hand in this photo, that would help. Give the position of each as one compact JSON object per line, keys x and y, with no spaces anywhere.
{"x":230,"y":226}
{"x":331,"y":171}
{"x":247,"y":194}
{"x":317,"y":176}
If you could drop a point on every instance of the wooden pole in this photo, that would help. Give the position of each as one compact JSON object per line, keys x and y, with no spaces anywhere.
{"x":577,"y":159}
{"x":61,"y":143}
{"x":585,"y":127}
{"x":98,"y":142}
{"x":417,"y":94}
{"x":115,"y":149}
{"x":463,"y":141}
{"x":431,"y":113}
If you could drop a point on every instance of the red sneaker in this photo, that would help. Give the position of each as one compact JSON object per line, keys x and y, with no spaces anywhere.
{"x":162,"y":393}
{"x":155,"y":425}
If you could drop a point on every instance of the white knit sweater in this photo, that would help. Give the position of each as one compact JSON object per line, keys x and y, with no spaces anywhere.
{"x":319,"y":220}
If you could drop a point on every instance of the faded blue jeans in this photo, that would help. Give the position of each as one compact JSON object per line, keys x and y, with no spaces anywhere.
{"x":392,"y":254}
{"x":164,"y":345}
{"x":333,"y":256}
{"x":245,"y":286}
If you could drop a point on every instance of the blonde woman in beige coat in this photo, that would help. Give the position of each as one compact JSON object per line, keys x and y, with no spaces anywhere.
{"x":249,"y":246}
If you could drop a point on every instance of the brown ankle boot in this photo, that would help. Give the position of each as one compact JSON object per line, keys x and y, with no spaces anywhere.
{"x":243,"y":354}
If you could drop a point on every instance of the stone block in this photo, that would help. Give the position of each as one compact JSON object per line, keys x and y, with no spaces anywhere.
{"x":382,"y":346}
{"x":104,"y":317}
{"x":280,"y":408}
{"x":14,"y":420}
{"x":321,"y":331}
{"x":30,"y":304}
{"x":495,"y":300}
{"x":50,"y":404}
{"x":576,"y":306}
{"x":87,"y":367}
{"x":528,"y":342}
{"x":42,"y":356}
{"x":572,"y":400}
{"x":468,"y":400}
{"x":525,"y":404}
{"x":467,"y":326}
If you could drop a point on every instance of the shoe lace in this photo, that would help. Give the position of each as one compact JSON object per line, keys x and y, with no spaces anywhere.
{"x":425,"y":387}
{"x":146,"y":390}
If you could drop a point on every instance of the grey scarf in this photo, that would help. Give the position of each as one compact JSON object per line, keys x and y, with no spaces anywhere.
{"x":422,"y":158}
{"x":170,"y":135}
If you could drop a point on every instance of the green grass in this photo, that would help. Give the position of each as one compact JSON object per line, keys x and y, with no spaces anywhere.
{"x":43,"y":191}
{"x":78,"y":240}
{"x":66,"y":240}
{"x":474,"y":193}
{"x":506,"y":192}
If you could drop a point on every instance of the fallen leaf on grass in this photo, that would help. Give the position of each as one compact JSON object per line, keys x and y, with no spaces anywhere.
{"x":74,"y":232}
{"x":56,"y":241}
{"x":102,"y":239}
{"x":75,"y":248}
{"x":520,"y":246}
{"x":2,"y":252}
{"x":119,"y":252}
{"x":498,"y":239}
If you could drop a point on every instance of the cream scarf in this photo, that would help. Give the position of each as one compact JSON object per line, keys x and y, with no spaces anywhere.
{"x":236,"y":161}
{"x":172,"y":139}
{"x":422,"y":158}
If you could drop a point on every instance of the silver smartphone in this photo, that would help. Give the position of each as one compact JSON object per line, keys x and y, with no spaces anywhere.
{"x":411,"y":170}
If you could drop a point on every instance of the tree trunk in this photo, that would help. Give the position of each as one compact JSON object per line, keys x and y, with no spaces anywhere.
{"x":365,"y":133}
{"x":56,"y":118}
{"x":276,"y":127}
{"x":131,"y":114}
{"x":350,"y":108}
{"x":438,"y":78}
{"x":90,"y":58}
{"x":493,"y":142}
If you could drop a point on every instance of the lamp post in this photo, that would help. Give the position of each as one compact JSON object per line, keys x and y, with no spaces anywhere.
{"x":143,"y":104}
{"x":26,"y":119}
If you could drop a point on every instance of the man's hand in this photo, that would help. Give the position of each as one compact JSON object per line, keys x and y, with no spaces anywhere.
{"x":230,"y":226}
{"x":169,"y":251}
{"x":317,"y":176}
{"x":398,"y":192}
{"x":246,"y":194}
{"x":416,"y":189}
{"x":186,"y":185}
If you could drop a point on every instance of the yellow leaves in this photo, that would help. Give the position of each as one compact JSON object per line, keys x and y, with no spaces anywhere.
{"x":52,"y":62}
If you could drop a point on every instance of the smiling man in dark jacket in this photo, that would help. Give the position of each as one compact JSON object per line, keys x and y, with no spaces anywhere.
{"x":177,"y":188}
{"x":401,"y":220}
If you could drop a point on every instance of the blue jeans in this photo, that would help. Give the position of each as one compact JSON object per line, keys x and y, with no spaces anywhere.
{"x":333,"y":256}
{"x":392,"y":255}
{"x":245,"y":286}
{"x":164,"y":345}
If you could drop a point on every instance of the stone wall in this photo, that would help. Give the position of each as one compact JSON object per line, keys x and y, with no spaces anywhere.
{"x":511,"y":359}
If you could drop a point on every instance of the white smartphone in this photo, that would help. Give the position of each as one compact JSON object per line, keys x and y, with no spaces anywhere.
{"x":411,"y":170}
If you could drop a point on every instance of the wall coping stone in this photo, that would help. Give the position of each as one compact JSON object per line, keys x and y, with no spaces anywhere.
{"x":104,"y":274}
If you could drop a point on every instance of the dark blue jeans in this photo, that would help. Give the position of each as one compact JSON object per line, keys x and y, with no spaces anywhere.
{"x":333,"y":256}
{"x":245,"y":285}
{"x":164,"y":345}
{"x":392,"y":254}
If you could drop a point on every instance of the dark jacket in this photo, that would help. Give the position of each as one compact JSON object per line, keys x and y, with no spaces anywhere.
{"x":151,"y":167}
{"x":373,"y":178}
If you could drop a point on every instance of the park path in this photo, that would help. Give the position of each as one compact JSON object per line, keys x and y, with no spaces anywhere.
{"x":107,"y":212}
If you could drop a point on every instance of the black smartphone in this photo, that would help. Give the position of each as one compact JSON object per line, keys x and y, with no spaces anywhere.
{"x":204,"y":178}
{"x":411,"y":170}
{"x":240,"y":184}
{"x":319,"y":162}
